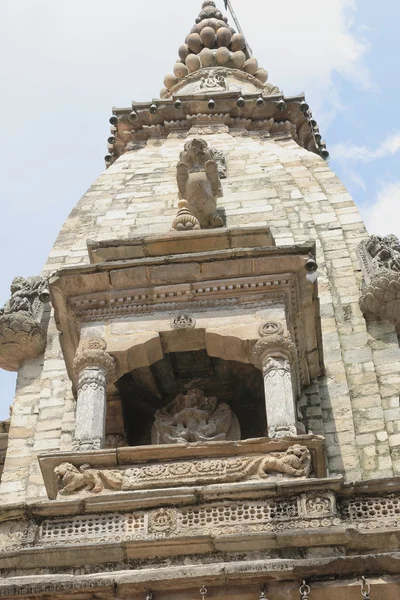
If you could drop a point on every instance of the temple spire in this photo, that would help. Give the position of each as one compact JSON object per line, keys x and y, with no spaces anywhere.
{"x":213,"y":43}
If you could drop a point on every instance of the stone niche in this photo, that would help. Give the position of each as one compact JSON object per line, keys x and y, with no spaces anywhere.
{"x":194,"y":347}
{"x":148,"y":390}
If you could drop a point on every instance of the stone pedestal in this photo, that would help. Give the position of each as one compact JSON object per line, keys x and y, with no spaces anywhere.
{"x":93,"y":366}
{"x":275,"y":354}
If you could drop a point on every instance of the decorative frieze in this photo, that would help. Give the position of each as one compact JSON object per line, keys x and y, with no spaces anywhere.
{"x":21,"y":334}
{"x":320,"y":512}
{"x":294,"y":462}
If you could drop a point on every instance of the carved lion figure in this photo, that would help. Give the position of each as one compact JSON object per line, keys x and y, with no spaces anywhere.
{"x":72,"y":480}
{"x":296,"y":461}
{"x":199,"y":187}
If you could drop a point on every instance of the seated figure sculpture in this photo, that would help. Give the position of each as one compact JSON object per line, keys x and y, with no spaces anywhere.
{"x":199,"y":187}
{"x":193,"y":417}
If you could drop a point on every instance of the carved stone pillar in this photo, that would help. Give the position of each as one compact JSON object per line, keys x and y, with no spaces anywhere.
{"x":275,"y":354}
{"x":93,"y":367}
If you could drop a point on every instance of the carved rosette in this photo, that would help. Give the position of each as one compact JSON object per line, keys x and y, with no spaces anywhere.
{"x":162,"y":520}
{"x":21,"y":338}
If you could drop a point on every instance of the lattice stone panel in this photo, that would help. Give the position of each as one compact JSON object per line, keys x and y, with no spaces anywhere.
{"x":230,"y":514}
{"x":116,"y":525}
{"x":357,"y":509}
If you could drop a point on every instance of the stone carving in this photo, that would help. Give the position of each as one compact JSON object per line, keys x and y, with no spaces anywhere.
{"x":270,"y":328}
{"x":163,"y":519}
{"x":115,"y":440}
{"x":72,"y":479}
{"x":199,"y":187}
{"x":193,"y":417}
{"x":380,"y":262}
{"x":183,"y":322}
{"x":273,"y":345}
{"x":213,"y":81}
{"x":294,"y":462}
{"x":318,"y":504}
{"x":92,"y":351}
{"x":21,"y":336}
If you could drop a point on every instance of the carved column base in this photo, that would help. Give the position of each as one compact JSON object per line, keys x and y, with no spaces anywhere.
{"x":284,"y":430}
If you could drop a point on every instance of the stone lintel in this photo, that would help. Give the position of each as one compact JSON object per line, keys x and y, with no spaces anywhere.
{"x":176,"y":243}
{"x":252,"y":451}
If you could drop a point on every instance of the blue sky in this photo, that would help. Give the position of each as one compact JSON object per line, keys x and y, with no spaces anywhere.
{"x":66,"y":63}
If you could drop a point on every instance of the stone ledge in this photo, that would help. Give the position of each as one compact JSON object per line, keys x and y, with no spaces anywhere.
{"x":179,"y":243}
{"x":320,"y":515}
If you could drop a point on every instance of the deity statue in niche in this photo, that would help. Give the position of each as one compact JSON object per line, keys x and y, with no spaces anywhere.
{"x":193,"y":417}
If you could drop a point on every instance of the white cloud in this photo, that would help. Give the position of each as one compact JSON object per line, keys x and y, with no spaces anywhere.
{"x":383,"y":216}
{"x":345,"y":152}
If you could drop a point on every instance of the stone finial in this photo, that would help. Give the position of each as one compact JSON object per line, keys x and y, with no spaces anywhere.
{"x":21,"y":335}
{"x":199,"y":187}
{"x":92,"y":352}
{"x":212,"y":43}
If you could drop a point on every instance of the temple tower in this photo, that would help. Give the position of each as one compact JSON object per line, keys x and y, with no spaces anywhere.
{"x":208,"y":365}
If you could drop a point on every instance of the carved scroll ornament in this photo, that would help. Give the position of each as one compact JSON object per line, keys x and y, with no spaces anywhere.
{"x":199,"y":187}
{"x":21,"y":335}
{"x":294,"y":462}
{"x":380,"y":263}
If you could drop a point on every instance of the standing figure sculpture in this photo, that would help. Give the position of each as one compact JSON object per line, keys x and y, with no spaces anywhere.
{"x":192,"y":417}
{"x":199,"y":187}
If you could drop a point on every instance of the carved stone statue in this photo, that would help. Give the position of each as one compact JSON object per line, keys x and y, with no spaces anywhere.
{"x":26,"y":294}
{"x":385,"y":251}
{"x":199,"y":187}
{"x":72,"y":479}
{"x":21,"y":336}
{"x":296,"y":461}
{"x":193,"y":417}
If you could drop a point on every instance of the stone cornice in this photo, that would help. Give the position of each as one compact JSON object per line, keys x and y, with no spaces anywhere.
{"x":167,"y":119}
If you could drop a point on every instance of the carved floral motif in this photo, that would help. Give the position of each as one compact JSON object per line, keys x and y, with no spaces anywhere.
{"x":199,"y":187}
{"x":183,"y":322}
{"x":193,"y":417}
{"x":270,"y":328}
{"x":163,"y":519}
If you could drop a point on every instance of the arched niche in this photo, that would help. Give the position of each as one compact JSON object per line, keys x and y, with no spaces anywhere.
{"x":149,"y":388}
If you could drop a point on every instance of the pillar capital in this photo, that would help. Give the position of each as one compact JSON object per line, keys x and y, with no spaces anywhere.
{"x":275,"y":346}
{"x":92,"y":352}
